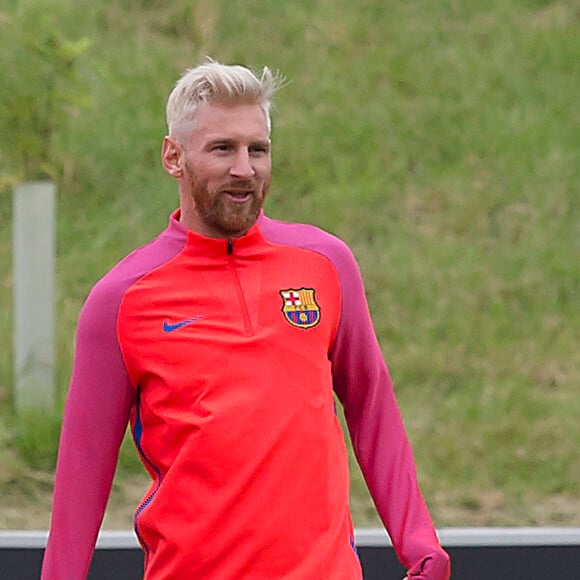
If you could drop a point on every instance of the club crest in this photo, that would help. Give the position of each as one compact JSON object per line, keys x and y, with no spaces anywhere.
{"x":300,"y":308}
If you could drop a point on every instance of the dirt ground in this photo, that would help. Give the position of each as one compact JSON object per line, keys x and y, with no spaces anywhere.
{"x":26,"y":503}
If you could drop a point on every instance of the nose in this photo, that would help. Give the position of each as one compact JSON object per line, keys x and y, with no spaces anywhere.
{"x":242,"y":164}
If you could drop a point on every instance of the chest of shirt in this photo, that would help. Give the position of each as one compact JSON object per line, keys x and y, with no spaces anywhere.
{"x":190,"y":313}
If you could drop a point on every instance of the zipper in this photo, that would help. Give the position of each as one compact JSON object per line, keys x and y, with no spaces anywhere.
{"x":249,"y":331}
{"x":137,"y":438}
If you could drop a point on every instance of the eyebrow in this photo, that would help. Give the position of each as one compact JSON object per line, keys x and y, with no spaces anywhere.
{"x":229,"y":141}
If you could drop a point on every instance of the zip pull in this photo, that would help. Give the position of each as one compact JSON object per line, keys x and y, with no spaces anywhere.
{"x":230,"y":247}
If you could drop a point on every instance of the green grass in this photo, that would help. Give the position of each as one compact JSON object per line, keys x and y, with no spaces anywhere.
{"x":440,"y":140}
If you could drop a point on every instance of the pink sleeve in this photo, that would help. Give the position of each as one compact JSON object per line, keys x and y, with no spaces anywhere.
{"x":95,"y":418}
{"x":363,"y":385}
{"x":100,"y":400}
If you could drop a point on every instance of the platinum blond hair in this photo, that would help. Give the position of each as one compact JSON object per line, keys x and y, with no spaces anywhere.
{"x":213,"y":82}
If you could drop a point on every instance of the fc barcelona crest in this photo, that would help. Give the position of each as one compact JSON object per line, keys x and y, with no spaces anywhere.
{"x":300,"y":308}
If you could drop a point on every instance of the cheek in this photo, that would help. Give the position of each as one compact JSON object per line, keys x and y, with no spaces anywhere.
{"x":265,"y":171}
{"x":203,"y":169}
{"x":204,"y":182}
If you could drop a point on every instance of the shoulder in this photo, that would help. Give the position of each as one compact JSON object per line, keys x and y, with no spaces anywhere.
{"x":107,"y":294}
{"x":309,"y":237}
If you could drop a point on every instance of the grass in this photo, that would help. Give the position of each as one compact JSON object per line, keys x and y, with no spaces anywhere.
{"x":440,"y":140}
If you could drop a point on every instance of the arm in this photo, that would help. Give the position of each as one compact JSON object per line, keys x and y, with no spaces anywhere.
{"x":364,"y":387}
{"x":97,"y":410}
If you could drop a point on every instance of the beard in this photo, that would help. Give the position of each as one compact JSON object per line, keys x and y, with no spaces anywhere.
{"x":223,"y":216}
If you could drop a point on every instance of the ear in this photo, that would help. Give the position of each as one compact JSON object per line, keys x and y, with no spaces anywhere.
{"x":171,"y":153}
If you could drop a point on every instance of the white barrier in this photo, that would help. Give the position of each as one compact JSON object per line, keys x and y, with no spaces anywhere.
{"x":460,"y":537}
{"x":371,"y":537}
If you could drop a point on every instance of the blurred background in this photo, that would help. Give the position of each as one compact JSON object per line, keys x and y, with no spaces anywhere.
{"x":441,"y":140}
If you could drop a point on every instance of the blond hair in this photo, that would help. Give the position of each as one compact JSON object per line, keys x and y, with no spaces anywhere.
{"x":213,"y":82}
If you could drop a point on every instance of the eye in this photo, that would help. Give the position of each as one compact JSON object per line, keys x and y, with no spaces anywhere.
{"x":221,"y":147}
{"x":259,"y":150}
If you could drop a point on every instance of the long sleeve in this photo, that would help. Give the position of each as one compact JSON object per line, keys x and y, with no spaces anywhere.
{"x":96,"y":415}
{"x":363,"y":385}
{"x":100,"y":401}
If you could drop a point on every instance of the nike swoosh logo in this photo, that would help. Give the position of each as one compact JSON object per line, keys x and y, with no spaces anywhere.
{"x":168,"y":327}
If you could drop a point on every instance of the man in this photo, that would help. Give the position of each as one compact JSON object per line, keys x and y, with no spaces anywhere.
{"x":222,"y":342}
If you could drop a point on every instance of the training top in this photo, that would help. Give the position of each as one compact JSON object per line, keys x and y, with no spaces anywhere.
{"x":224,"y":356}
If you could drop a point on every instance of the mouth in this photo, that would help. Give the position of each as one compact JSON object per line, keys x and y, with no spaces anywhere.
{"x":239,"y":195}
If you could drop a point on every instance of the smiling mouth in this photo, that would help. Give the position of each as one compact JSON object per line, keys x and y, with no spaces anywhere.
{"x":239,"y":194}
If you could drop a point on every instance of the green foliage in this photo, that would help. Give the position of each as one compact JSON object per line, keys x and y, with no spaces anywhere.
{"x":35,"y":436}
{"x":440,"y":139}
{"x":41,"y":88}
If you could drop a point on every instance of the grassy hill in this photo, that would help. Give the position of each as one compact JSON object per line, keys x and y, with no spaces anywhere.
{"x":439,"y":139}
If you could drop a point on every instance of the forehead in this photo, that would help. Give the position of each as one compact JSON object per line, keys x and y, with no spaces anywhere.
{"x":241,"y":122}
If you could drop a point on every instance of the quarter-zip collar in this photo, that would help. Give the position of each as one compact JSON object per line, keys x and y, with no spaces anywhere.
{"x":248,"y":244}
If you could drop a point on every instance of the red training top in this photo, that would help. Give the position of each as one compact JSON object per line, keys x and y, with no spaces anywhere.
{"x":224,"y":355}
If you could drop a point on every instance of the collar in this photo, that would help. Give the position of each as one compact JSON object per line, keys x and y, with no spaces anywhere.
{"x":247,"y":244}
